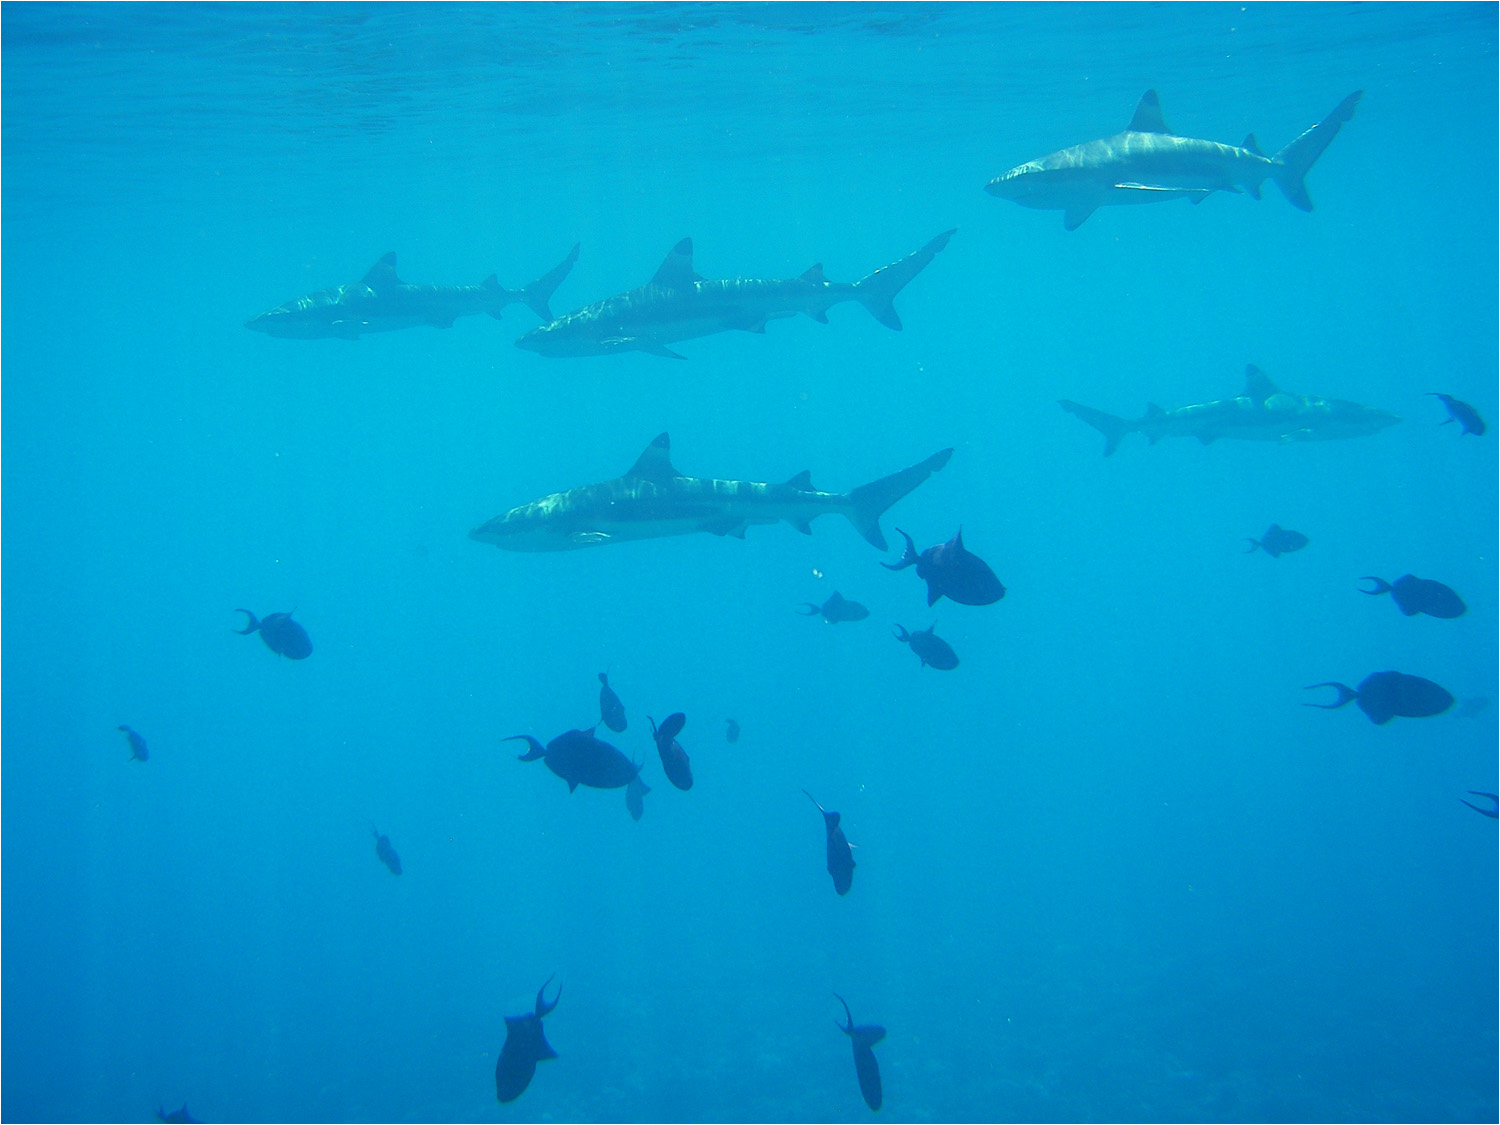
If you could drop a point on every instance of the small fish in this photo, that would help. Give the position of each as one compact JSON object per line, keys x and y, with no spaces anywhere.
{"x":1278,"y":541}
{"x":282,"y":635}
{"x":932,"y":650}
{"x":525,"y":1046}
{"x":579,"y":758}
{"x":674,"y":759}
{"x":840,"y":853}
{"x":176,"y":1116}
{"x":865,"y":1066}
{"x":731,"y":730}
{"x":635,"y":798}
{"x":1384,"y":695}
{"x":385,"y":852}
{"x":1461,"y":412}
{"x":138,"y":751}
{"x":1493,"y":814}
{"x":951,"y":571}
{"x":835,"y":609}
{"x":611,"y":710}
{"x":1415,"y":595}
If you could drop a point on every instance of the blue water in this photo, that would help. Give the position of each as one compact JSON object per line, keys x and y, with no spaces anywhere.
{"x":1108,"y":869}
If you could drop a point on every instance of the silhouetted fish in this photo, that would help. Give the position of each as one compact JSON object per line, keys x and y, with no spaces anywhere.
{"x":635,"y":798}
{"x":1493,"y":814}
{"x":951,"y":571}
{"x":611,"y":710}
{"x":1462,"y":413}
{"x":525,"y":1046}
{"x":1278,"y":541}
{"x":840,"y":854}
{"x":932,"y":650}
{"x":835,"y":609}
{"x":138,"y":751}
{"x":731,"y":731}
{"x":385,"y":852}
{"x":674,"y":759}
{"x":1384,"y":695}
{"x":282,"y":635}
{"x":865,"y":1066}
{"x":176,"y":1115}
{"x":1415,"y":595}
{"x":579,"y":758}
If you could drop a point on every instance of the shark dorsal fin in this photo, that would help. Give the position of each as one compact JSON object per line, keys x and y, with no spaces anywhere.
{"x":1258,"y":384}
{"x":802,"y":482}
{"x":1148,"y":118}
{"x":1251,"y":145}
{"x":382,"y":272}
{"x":655,"y":464}
{"x":676,"y":270}
{"x":814,"y":273}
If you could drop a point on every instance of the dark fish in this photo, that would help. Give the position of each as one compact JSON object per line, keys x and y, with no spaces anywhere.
{"x":835,"y":609}
{"x":1493,"y":814}
{"x":635,"y":799}
{"x":952,"y":572}
{"x":385,"y":852}
{"x":932,"y":650}
{"x":138,"y":751}
{"x":674,"y":759}
{"x":1384,"y":695}
{"x":611,"y":710}
{"x":840,"y":854}
{"x":525,"y":1046}
{"x":177,"y":1115}
{"x":1278,"y":541}
{"x":282,"y":635}
{"x":865,"y":1066}
{"x":1462,"y":413}
{"x":731,"y":730}
{"x":1415,"y":595}
{"x":579,"y":758}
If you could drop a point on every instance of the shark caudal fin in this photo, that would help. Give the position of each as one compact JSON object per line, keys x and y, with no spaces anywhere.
{"x":1297,"y":158}
{"x":876,"y":291}
{"x":868,"y":502}
{"x":1114,"y":429}
{"x":536,"y":295}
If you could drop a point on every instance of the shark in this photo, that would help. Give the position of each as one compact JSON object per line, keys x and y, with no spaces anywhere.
{"x":1263,"y":412}
{"x":679,"y":304}
{"x":381,"y":302}
{"x":1148,"y":163}
{"x":653,"y":500}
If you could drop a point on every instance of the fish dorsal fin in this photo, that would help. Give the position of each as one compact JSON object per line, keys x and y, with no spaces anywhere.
{"x":655,"y":464}
{"x":1148,"y":118}
{"x":802,"y":482}
{"x":814,"y":274}
{"x":676,"y":270}
{"x":1251,"y":145}
{"x":382,"y":272}
{"x":1258,"y":384}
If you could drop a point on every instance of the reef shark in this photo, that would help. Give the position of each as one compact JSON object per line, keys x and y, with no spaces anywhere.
{"x":1148,"y":163}
{"x":678,"y":304}
{"x":653,"y":500}
{"x":381,"y":302}
{"x":1263,"y":412}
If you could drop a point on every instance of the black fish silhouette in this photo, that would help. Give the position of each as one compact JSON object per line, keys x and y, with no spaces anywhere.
{"x":865,"y":1066}
{"x":611,"y":710}
{"x":1415,"y":595}
{"x":931,"y":650}
{"x":138,"y":751}
{"x":385,"y":852}
{"x":1384,"y":695}
{"x":282,"y":635}
{"x":1278,"y":541}
{"x":1493,"y":814}
{"x":951,"y":572}
{"x":1461,"y":412}
{"x":674,"y":759}
{"x":835,"y":609}
{"x":176,"y":1115}
{"x":579,"y":758}
{"x":731,"y":731}
{"x":525,"y":1046}
{"x":840,"y":853}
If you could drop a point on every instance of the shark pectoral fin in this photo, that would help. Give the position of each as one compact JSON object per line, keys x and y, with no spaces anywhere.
{"x":1253,"y":190}
{"x":1076,"y":215}
{"x":819,"y":315}
{"x":656,"y":347}
{"x":803,"y":526}
{"x":589,"y":538}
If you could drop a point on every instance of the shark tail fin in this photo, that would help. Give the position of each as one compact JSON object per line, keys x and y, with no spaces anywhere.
{"x":1297,"y":158}
{"x":1114,"y":429}
{"x":877,"y":290}
{"x":868,"y":502}
{"x":539,"y":292}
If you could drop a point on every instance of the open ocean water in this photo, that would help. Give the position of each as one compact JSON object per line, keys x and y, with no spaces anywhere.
{"x":1109,"y":868}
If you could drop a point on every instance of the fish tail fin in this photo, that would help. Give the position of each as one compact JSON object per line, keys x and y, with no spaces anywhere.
{"x":877,"y":290}
{"x":1381,"y":585}
{"x":908,"y":556}
{"x":537,"y":295}
{"x":1296,"y":159}
{"x":807,"y":610}
{"x":868,"y":502}
{"x":1254,"y":546}
{"x":251,"y":626}
{"x":1114,"y":429}
{"x":1346,"y":693}
{"x":537,"y":750}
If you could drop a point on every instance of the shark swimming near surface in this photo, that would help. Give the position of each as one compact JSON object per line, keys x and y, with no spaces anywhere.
{"x":679,"y":304}
{"x":1262,"y":412}
{"x":1148,"y":163}
{"x":653,"y":500}
{"x":381,"y":302}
